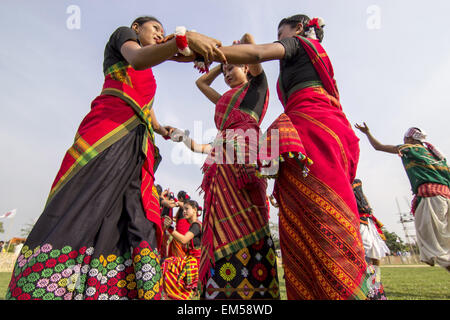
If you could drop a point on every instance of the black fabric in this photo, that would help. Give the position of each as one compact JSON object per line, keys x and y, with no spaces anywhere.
{"x":255,"y":98}
{"x":296,"y":66}
{"x":112,"y":53}
{"x":179,"y":214}
{"x":101,"y":206}
{"x":165,"y":211}
{"x":254,"y":267}
{"x":361,"y":200}
{"x":197,"y":231}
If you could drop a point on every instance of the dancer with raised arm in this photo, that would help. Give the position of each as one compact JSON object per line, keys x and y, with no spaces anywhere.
{"x":238,"y":256}
{"x":429,"y":176}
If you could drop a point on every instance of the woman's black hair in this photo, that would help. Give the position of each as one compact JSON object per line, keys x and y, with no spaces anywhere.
{"x":141,"y":20}
{"x":159,"y":189}
{"x":249,"y":75}
{"x":303,"y":19}
{"x":183,"y":196}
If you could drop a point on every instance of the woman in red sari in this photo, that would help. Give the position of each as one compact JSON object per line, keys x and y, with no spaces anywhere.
{"x":322,"y":251}
{"x":103,"y":201}
{"x":174,"y":248}
{"x":180,"y":273}
{"x":238,"y":255}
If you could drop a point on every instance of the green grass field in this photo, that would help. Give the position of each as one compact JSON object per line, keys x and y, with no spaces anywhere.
{"x":400,"y":283}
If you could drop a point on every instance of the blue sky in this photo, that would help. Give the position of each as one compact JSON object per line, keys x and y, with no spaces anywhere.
{"x":393,"y":75}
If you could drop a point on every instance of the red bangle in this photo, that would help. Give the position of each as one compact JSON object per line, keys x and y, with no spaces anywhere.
{"x":181,"y":41}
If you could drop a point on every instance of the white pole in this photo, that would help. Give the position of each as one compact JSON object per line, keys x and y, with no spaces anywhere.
{"x":8,"y":231}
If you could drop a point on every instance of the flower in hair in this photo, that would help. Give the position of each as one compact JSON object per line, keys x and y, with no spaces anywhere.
{"x":316,"y":22}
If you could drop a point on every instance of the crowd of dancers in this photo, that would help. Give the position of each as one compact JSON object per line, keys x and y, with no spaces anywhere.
{"x":108,"y":232}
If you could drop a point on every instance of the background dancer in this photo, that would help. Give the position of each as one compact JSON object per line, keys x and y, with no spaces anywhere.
{"x":373,"y":239}
{"x":181,"y":273}
{"x":429,"y":176}
{"x":181,"y":225}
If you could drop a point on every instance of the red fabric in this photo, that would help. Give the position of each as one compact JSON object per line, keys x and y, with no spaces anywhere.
{"x":108,"y":113}
{"x":325,"y":132}
{"x":322,"y":64}
{"x":182,"y":226}
{"x":287,"y":141}
{"x":142,"y":90}
{"x":314,"y":23}
{"x":219,"y":178}
{"x":432,"y":190}
{"x":195,"y":252}
{"x":175,"y":248}
{"x":329,"y":140}
{"x":181,"y":42}
{"x":427,"y":190}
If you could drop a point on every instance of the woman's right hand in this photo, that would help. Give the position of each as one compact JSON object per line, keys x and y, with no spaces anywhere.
{"x":168,"y":203}
{"x":205,"y":46}
{"x":363,"y":128}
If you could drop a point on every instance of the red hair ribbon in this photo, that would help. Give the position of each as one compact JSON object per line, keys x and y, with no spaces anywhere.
{"x":314,"y":23}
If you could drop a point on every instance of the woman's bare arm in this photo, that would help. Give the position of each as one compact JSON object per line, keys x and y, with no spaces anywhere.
{"x":142,"y":58}
{"x":252,"y":53}
{"x":196,"y":147}
{"x":184,"y":239}
{"x":205,"y":81}
{"x":157,"y":127}
{"x":254,"y":69}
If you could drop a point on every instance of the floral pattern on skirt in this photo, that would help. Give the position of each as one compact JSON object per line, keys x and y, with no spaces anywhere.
{"x":49,"y":273}
{"x":250,"y":273}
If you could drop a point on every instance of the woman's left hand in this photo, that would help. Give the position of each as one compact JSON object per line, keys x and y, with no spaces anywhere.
{"x":169,"y":130}
{"x":181,"y":58}
{"x":206,"y":47}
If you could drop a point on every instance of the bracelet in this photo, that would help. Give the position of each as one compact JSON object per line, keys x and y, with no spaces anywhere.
{"x":199,"y":63}
{"x":181,"y":40}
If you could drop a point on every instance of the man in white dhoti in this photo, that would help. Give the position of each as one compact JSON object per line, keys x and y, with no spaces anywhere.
{"x":429,"y":176}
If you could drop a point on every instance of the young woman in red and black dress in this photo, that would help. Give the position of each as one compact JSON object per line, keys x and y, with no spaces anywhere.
{"x":181,"y":272}
{"x":238,"y":256}
{"x":103,"y":201}
{"x":321,"y":246}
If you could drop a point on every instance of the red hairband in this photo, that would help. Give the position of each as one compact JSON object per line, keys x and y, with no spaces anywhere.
{"x":314,"y":23}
